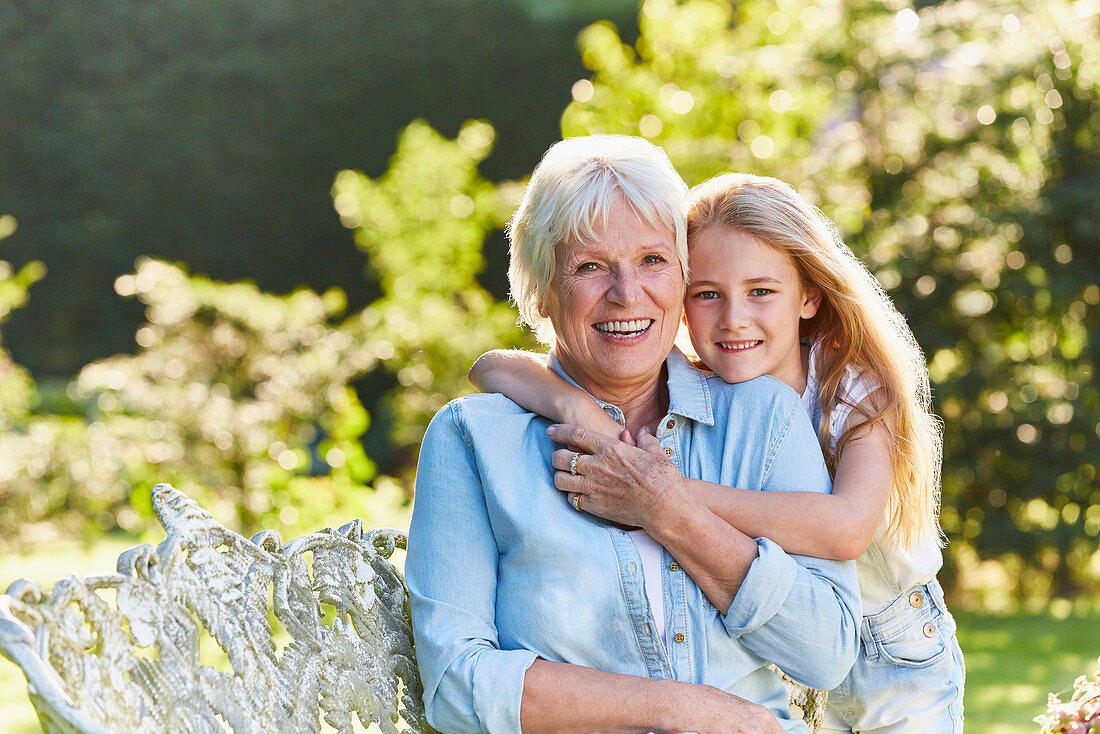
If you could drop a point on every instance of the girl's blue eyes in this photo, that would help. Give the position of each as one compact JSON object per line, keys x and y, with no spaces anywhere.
{"x":711,"y":295}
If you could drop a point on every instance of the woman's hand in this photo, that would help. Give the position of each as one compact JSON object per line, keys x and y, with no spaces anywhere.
{"x":709,"y":710}
{"x":559,"y":697}
{"x":612,"y":479}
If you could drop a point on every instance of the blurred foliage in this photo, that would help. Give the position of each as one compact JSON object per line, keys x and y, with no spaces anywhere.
{"x":956,"y":144}
{"x":238,"y":397}
{"x":245,"y":399}
{"x":17,"y":388}
{"x":209,"y":132}
{"x":958,"y":148}
{"x":422,"y":225}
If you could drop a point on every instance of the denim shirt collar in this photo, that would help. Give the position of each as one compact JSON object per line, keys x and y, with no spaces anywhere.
{"x":688,"y":391}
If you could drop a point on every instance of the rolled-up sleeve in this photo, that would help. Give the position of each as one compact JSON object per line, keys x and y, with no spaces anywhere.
{"x":470,"y":684}
{"x":799,"y":612}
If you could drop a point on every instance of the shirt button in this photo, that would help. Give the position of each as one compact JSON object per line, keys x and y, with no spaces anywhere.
{"x":679,"y":637}
{"x":671,"y":423}
{"x":668,"y":452}
{"x":929,"y":629}
{"x":915,"y":599}
{"x":674,"y":566}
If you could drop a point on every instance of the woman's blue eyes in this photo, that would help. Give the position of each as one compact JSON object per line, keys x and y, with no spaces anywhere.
{"x":648,"y":260}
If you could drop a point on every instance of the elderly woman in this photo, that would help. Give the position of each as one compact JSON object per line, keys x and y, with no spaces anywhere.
{"x":532,"y":615}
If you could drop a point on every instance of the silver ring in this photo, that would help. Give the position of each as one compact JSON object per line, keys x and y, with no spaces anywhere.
{"x":573,"y":464}
{"x":577,"y":502}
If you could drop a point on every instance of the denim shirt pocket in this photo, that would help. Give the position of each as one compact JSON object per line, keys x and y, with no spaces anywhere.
{"x":911,"y":632}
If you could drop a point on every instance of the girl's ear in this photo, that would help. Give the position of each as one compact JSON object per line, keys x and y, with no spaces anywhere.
{"x":811,"y":301}
{"x":684,"y":317}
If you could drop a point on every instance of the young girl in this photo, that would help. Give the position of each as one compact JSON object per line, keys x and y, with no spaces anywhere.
{"x":773,"y":291}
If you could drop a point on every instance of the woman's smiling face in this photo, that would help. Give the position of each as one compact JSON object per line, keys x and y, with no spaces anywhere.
{"x":743,"y":306}
{"x":615,"y":304}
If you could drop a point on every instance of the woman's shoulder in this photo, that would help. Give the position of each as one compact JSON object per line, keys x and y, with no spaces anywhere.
{"x":764,"y":395}
{"x":761,"y":394}
{"x":763,"y":420}
{"x":480,"y":412}
{"x":481,"y":406}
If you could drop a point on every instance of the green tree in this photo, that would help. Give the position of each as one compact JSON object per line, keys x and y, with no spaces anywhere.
{"x":956,"y":147}
{"x":238,"y":397}
{"x":209,"y":132}
{"x":422,"y":225}
{"x":17,"y":388}
{"x":244,"y":399}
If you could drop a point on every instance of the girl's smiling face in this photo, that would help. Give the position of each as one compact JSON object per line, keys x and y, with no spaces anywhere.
{"x":743,"y":307}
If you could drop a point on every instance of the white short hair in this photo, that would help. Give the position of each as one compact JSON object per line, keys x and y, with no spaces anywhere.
{"x":572,"y":192}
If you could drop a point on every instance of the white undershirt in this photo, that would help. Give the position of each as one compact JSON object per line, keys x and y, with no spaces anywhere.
{"x":912,"y":566}
{"x":652,"y":562}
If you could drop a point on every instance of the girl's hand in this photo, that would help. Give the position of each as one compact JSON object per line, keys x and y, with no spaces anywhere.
{"x":613,"y":479}
{"x":589,"y":414}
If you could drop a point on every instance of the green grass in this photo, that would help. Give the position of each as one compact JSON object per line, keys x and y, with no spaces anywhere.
{"x":1012,"y":661}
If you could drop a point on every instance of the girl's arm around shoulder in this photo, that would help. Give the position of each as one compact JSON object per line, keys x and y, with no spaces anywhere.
{"x":525,"y":378}
{"x":804,"y":520}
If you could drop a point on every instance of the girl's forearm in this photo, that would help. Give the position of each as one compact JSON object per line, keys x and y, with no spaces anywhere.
{"x":525,"y":379}
{"x":803,"y":523}
{"x":836,"y":526}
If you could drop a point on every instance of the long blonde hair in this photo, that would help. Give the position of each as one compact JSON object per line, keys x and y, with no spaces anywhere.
{"x":856,"y":325}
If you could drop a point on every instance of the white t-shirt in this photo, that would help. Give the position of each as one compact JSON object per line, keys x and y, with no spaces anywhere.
{"x":909,"y":567}
{"x":652,"y":563}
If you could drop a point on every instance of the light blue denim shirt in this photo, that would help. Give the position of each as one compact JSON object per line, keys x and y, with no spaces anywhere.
{"x":501,"y":569}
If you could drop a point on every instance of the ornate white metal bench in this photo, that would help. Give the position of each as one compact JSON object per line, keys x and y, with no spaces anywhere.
{"x":124,"y":652}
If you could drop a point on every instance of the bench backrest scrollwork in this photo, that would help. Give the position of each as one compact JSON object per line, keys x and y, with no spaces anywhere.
{"x":124,"y":652}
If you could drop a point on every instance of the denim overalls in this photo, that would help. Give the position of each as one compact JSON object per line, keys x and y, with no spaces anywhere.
{"x":909,"y":674}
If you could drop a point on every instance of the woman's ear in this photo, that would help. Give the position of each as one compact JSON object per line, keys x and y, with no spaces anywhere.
{"x":811,"y":301}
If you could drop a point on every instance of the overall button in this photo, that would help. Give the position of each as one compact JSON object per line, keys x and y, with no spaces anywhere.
{"x":929,"y":629}
{"x":915,"y":599}
{"x":679,"y":637}
{"x":674,"y":566}
{"x":671,"y":423}
{"x":668,"y":452}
